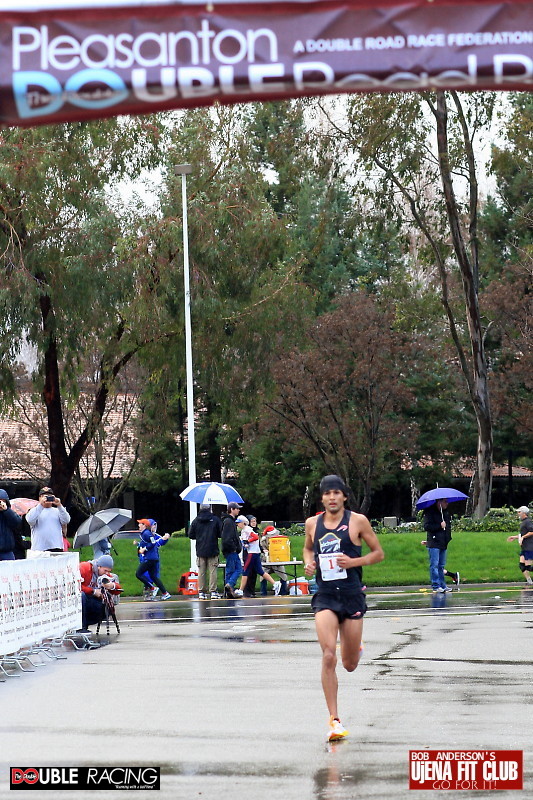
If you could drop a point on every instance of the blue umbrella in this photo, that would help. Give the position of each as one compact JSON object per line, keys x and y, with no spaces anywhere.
{"x":213,"y":493}
{"x":451,"y":495}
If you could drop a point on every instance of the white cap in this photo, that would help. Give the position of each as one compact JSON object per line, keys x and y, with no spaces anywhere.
{"x":242,"y":518}
{"x":522,"y":510}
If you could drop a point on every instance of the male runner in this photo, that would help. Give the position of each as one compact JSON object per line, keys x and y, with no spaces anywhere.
{"x":525,"y":540}
{"x":333,"y":548}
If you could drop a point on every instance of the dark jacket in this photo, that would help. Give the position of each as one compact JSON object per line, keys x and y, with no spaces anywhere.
{"x":21,"y":545}
{"x":10,"y":525}
{"x":231,"y":542}
{"x":206,"y":530}
{"x":437,"y":536}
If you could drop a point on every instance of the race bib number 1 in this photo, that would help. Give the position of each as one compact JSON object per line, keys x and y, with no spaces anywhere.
{"x":329,"y":568}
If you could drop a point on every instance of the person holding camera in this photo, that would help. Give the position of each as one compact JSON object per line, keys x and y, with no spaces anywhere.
{"x":46,"y":521}
{"x":95,"y":576}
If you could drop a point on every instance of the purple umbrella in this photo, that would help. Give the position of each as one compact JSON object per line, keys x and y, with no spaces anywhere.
{"x":451,"y":495}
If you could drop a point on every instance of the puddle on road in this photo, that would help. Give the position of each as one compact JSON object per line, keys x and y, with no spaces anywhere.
{"x":226,"y":770}
{"x":485,"y":599}
{"x":497,"y":599}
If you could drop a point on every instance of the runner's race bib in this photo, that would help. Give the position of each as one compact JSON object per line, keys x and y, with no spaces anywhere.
{"x":329,"y":568}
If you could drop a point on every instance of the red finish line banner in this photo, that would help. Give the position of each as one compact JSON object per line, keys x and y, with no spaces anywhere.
{"x":482,"y":770}
{"x":60,"y":63}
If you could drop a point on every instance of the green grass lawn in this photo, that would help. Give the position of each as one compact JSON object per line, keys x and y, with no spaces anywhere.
{"x":479,"y":557}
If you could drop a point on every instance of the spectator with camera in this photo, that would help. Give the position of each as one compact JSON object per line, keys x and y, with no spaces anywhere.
{"x":46,"y":521}
{"x":95,"y":576}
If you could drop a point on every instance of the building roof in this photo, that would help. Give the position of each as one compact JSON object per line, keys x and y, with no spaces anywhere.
{"x":24,"y":452}
{"x":465,"y":467}
{"x":498,"y":471}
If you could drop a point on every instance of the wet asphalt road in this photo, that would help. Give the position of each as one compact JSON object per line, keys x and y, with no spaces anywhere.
{"x":225,"y":696}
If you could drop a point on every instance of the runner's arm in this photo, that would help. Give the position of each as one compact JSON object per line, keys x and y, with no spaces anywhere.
{"x":308,"y":553}
{"x":365,"y":532}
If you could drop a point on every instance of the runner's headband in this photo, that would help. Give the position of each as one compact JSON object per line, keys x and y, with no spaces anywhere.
{"x":330,"y":482}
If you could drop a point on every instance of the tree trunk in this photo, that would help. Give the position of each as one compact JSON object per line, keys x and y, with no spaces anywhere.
{"x":415,"y":494}
{"x":214,"y":455}
{"x":60,"y":475}
{"x":478,"y":379}
{"x":367,"y":496}
{"x":65,"y":463}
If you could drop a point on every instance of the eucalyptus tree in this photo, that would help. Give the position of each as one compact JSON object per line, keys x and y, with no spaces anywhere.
{"x":67,"y":286}
{"x":342,"y":246}
{"x":506,"y":219}
{"x":414,"y":157}
{"x":246,"y":289}
{"x":508,"y":301}
{"x":506,"y":223}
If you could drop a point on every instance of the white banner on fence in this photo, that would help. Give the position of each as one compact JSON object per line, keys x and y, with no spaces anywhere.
{"x":39,"y":598}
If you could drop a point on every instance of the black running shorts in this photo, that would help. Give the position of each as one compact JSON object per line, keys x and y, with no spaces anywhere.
{"x":346,"y":605}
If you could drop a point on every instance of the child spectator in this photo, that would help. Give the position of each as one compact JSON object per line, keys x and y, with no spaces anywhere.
{"x":252,"y":560}
{"x":268,"y":532}
{"x":147,"y":590}
{"x":150,"y":542}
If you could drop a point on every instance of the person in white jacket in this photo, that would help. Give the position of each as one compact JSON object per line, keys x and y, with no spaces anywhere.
{"x":252,"y":559}
{"x":46,"y":521}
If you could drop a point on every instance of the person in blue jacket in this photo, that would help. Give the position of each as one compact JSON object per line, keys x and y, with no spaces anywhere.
{"x":147,"y":593}
{"x":10,"y":524}
{"x":147,"y":571}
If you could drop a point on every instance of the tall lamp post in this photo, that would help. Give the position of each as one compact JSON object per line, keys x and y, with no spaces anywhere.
{"x":184,"y":170}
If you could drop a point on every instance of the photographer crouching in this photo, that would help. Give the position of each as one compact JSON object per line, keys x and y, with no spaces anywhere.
{"x":96,"y":575}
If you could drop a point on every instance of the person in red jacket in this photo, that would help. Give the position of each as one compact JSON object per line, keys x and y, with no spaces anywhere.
{"x":92,"y":573}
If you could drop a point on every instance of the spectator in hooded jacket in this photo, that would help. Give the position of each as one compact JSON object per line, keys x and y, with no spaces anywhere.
{"x":10,"y":525}
{"x":205,"y":529}
{"x":142,"y":558}
{"x":149,"y":547}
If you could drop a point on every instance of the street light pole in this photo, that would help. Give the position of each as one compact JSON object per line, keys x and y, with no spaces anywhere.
{"x":184,"y":170}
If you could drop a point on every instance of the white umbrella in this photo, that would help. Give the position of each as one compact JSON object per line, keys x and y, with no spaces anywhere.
{"x":211,"y":492}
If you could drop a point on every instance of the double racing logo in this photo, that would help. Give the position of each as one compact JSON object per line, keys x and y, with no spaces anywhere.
{"x":84,"y":778}
{"x":26,"y":776}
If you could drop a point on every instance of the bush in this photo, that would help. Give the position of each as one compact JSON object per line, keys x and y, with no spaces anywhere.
{"x":296,"y":529}
{"x":503,"y":520}
{"x":497,"y":519}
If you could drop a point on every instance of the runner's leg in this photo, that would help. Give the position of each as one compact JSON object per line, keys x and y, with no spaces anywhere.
{"x":351,"y":632}
{"x":327,"y":628}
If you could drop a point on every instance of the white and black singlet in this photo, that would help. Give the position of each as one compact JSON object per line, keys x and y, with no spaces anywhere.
{"x":339,"y":590}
